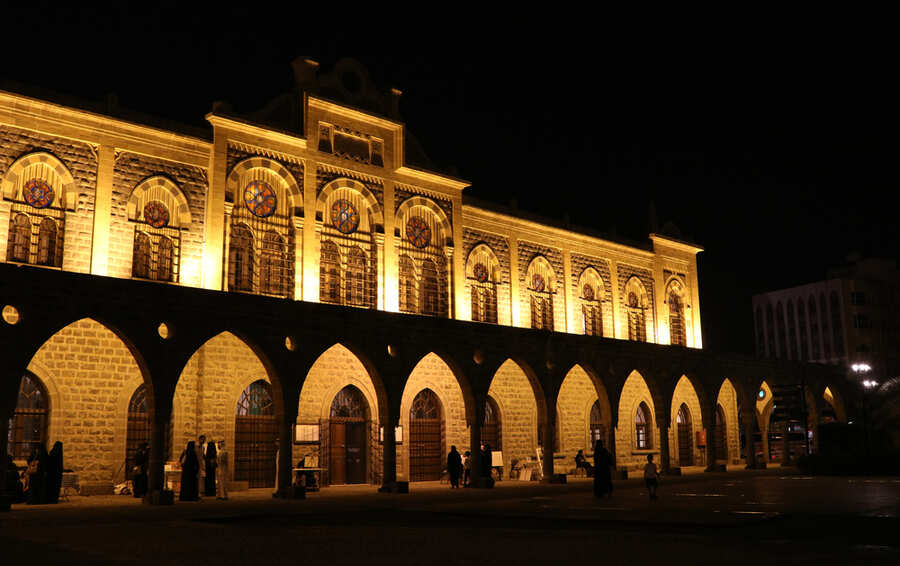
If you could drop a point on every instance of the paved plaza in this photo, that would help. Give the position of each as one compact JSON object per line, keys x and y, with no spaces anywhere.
{"x":772,"y":516}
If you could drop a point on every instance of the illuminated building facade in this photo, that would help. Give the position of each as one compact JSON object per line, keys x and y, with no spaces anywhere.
{"x":304,"y":291}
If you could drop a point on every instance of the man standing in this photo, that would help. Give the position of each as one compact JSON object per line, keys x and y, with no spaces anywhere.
{"x":201,"y":461}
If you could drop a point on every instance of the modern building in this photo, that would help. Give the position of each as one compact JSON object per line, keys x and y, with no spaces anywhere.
{"x":291,"y":284}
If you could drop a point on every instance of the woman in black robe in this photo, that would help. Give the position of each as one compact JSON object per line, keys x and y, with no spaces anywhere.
{"x":37,"y":474}
{"x":211,"y":465}
{"x":454,"y":466}
{"x":602,"y":473}
{"x":54,"y":472}
{"x":189,"y":468}
{"x":139,"y":477}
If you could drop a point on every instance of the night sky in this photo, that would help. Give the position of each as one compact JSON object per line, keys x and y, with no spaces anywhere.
{"x":778,"y":166}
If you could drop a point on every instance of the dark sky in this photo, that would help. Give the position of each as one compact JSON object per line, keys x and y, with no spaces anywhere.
{"x":779,"y":166}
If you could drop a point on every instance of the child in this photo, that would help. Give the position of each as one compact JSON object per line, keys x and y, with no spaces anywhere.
{"x":651,"y":476}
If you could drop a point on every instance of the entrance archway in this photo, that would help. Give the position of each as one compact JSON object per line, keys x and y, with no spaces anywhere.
{"x":426,"y":424}
{"x":256,"y":434}
{"x":491,"y":428}
{"x":685,"y":442}
{"x":137,"y":430}
{"x":349,"y":429}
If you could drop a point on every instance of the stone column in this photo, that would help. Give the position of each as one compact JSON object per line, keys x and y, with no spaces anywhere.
{"x":286,"y":451}
{"x":475,"y":461}
{"x":389,"y":455}
{"x":162,"y":414}
{"x":549,"y":436}
{"x":749,"y":453}
{"x":711,"y":444}
{"x":664,"y":459}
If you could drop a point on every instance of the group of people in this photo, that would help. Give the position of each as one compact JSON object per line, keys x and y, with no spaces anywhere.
{"x":41,"y":481}
{"x":201,"y":463}
{"x":458,"y":467}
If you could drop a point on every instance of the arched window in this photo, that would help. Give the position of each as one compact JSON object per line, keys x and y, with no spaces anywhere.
{"x":19,"y":246}
{"x":782,"y":332}
{"x":597,"y":428}
{"x":826,"y":334}
{"x":636,"y":305}
{"x":272,"y":264}
{"x":814,"y":335}
{"x":591,"y":293}
{"x":801,"y":328}
{"x":140,"y":263}
{"x":357,"y":291}
{"x":28,"y":426}
{"x":425,"y":437}
{"x":792,"y":330}
{"x":675,"y":302}
{"x":349,"y":403}
{"x":491,"y":433}
{"x":138,"y":428}
{"x":760,"y":334}
{"x":770,"y":331}
{"x":836,"y":325}
{"x":240,"y":259}
{"x":255,"y":432}
{"x":330,"y":273}
{"x":430,"y":288}
{"x":408,"y":285}
{"x":541,"y":284}
{"x":482,"y":274}
{"x":642,"y":423}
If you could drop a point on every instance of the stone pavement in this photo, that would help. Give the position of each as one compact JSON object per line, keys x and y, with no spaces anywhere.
{"x":735,"y":517}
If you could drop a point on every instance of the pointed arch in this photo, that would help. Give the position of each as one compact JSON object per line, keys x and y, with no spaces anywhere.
{"x":631,"y":439}
{"x":159,"y":187}
{"x":686,"y":404}
{"x":540,"y":284}
{"x":636,"y":305}
{"x":579,"y":391}
{"x":519,"y":400}
{"x":289,"y":182}
{"x":418,"y":201}
{"x":482,"y":279}
{"x":728,"y":431}
{"x":675,"y":306}
{"x":836,"y":402}
{"x":344,"y":184}
{"x":591,"y":293}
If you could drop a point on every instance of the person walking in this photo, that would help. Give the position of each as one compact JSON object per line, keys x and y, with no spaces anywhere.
{"x":222,"y":472}
{"x":189,"y":473}
{"x":651,"y":477}
{"x":602,"y":470}
{"x":454,"y":467}
{"x":210,"y":463}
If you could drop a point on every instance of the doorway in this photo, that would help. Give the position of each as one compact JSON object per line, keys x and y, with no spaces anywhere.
{"x":685,"y":442}
{"x":348,"y":433}
{"x":425,"y":432}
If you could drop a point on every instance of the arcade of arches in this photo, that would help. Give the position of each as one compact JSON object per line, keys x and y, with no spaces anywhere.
{"x":84,"y":387}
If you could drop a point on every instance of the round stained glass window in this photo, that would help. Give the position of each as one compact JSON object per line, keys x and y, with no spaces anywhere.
{"x":481,"y":272}
{"x":587,"y":292}
{"x":537,"y":282}
{"x":418,"y":232}
{"x":37,"y":193}
{"x":260,"y":199}
{"x":344,"y":216}
{"x":156,"y":214}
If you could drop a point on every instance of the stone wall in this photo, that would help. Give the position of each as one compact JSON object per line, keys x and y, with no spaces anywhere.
{"x":90,"y":376}
{"x":81,"y":161}
{"x":130,"y":170}
{"x":432,"y":373}
{"x":515,"y":398}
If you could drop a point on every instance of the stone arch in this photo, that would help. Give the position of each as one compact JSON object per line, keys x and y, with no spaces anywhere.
{"x":635,"y":391}
{"x":834,"y":398}
{"x":578,"y":392}
{"x":155,"y":183}
{"x":686,"y":394}
{"x":728,"y":398}
{"x":9,"y":186}
{"x":518,"y":400}
{"x":375,"y":209}
{"x":436,"y":372}
{"x":494,"y":274}
{"x":86,"y":410}
{"x":429,"y":204}
{"x":244,"y":166}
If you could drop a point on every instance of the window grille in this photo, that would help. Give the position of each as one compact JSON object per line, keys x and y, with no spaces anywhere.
{"x":792,"y":330}
{"x":352,"y":251}
{"x":637,"y":329}
{"x":156,"y":253}
{"x":430,"y":288}
{"x":272,"y":265}
{"x":676,"y":320}
{"x":240,"y":256}
{"x":357,"y":292}
{"x":597,"y":428}
{"x":826,"y":334}
{"x":408,"y":285}
{"x":140,"y":265}
{"x":36,"y":235}
{"x":422,"y":241}
{"x":28,"y":426}
{"x":541,"y":287}
{"x":815,"y":337}
{"x":330,"y":273}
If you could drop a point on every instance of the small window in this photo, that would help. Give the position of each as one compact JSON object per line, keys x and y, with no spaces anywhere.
{"x":857,"y":298}
{"x":861,"y":321}
{"x":642,"y":427}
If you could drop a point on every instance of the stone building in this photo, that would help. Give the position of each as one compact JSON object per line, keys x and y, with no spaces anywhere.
{"x":295,"y":284}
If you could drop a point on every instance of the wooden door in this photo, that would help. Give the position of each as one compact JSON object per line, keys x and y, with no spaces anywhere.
{"x":337,"y":463}
{"x":685,"y":442}
{"x":356,"y":452}
{"x":425,"y":449}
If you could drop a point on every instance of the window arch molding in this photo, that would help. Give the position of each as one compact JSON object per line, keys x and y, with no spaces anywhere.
{"x":541,"y":262}
{"x":637,"y":303}
{"x":375,"y":211}
{"x":182,"y":212}
{"x":482,"y":248}
{"x":411,"y":202}
{"x":68,"y":192}
{"x":592,"y":302}
{"x":233,"y":188}
{"x":677,"y":320}
{"x":481,"y":286}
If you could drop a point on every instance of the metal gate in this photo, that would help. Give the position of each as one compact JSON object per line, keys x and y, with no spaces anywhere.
{"x":256,"y":437}
{"x":138,"y":431}
{"x":685,"y":442}
{"x":425,"y":423}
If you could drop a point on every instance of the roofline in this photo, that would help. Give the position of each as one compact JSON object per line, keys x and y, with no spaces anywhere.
{"x":682,"y":245}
